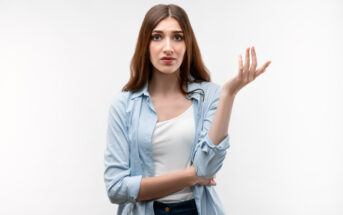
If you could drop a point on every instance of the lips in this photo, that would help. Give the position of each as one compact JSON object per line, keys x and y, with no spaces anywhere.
{"x":167,"y":58}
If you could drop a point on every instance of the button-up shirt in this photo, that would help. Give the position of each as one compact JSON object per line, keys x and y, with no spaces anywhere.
{"x":128,"y":154}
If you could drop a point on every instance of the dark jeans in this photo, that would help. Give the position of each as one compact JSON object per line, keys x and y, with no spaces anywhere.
{"x":178,"y":208}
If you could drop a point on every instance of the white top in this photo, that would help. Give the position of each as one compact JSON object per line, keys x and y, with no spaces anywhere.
{"x":171,"y":146}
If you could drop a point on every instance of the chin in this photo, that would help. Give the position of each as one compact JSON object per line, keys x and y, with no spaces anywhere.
{"x":167,"y":71}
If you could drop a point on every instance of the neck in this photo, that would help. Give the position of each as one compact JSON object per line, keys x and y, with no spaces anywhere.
{"x":165,"y":85}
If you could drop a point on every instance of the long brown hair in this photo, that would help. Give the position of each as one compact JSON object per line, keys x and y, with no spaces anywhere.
{"x":141,"y":67}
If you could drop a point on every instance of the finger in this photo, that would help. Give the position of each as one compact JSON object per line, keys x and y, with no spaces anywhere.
{"x":240,"y":66}
{"x":254,"y":63}
{"x":246,"y":63}
{"x":250,"y":71}
{"x":263,"y":68}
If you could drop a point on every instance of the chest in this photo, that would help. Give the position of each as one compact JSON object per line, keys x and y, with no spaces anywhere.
{"x":143,"y":116}
{"x":167,"y":109}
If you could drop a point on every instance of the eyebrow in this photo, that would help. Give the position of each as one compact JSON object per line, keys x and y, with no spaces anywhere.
{"x":157,"y":31}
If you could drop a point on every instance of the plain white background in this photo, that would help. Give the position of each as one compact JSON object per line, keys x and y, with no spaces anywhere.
{"x":61,"y":63}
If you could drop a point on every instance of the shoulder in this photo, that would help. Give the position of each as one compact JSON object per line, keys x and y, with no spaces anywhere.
{"x":120,"y":101}
{"x":206,"y":86}
{"x":211,"y":86}
{"x":211,"y":90}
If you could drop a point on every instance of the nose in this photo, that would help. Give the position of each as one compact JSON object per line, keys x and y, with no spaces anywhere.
{"x":167,"y":48}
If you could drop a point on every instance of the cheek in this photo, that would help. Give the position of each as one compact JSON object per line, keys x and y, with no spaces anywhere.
{"x":182,"y":49}
{"x":153,"y":52}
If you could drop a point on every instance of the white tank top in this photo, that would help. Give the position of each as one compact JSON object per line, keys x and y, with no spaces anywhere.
{"x":172,"y":142}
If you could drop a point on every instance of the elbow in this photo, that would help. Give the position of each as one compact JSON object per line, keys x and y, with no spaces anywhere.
{"x":207,"y":172}
{"x":124,"y":190}
{"x":115,"y":197}
{"x":207,"y":166}
{"x":209,"y":158}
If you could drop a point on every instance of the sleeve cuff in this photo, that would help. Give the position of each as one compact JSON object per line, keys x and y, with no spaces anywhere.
{"x":207,"y":144}
{"x":133,"y":185}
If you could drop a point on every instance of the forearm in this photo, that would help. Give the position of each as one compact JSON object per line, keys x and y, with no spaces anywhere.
{"x":160,"y":186}
{"x":220,"y":124}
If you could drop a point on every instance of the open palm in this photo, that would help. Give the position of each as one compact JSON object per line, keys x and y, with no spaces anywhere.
{"x":246,"y":73}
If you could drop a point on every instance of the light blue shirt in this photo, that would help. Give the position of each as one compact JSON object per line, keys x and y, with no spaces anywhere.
{"x":128,"y":155}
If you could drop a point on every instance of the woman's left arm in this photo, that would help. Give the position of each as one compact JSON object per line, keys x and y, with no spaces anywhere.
{"x":214,"y":140}
{"x":246,"y":74}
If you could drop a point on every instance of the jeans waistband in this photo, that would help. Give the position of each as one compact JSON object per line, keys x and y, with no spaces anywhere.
{"x":175,"y":205}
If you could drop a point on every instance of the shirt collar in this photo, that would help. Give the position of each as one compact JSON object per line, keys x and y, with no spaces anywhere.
{"x":190,"y":86}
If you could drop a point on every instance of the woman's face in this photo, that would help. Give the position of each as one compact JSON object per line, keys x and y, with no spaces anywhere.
{"x":167,"y":46}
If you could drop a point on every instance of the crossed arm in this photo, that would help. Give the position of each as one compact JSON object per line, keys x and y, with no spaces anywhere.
{"x":159,"y":186}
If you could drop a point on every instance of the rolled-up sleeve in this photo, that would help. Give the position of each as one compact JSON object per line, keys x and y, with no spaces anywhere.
{"x":208,"y":158}
{"x":121,"y":185}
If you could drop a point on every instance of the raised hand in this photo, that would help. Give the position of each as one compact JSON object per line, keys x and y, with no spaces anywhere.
{"x":246,"y":73}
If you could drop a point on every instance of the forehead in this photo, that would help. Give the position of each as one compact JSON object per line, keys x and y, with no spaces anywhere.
{"x":168,"y":24}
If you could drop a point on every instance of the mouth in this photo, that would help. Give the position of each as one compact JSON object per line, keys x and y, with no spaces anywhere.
{"x":168,"y":60}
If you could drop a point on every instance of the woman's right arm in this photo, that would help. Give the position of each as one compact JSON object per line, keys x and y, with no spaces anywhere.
{"x":163,"y":185}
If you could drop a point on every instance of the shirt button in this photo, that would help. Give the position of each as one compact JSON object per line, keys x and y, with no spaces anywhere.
{"x":166,"y":209}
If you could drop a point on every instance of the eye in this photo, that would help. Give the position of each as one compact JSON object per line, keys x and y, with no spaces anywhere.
{"x":155,"y":37}
{"x":178,"y":37}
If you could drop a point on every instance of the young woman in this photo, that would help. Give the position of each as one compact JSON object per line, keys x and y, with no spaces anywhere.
{"x":168,"y":129}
